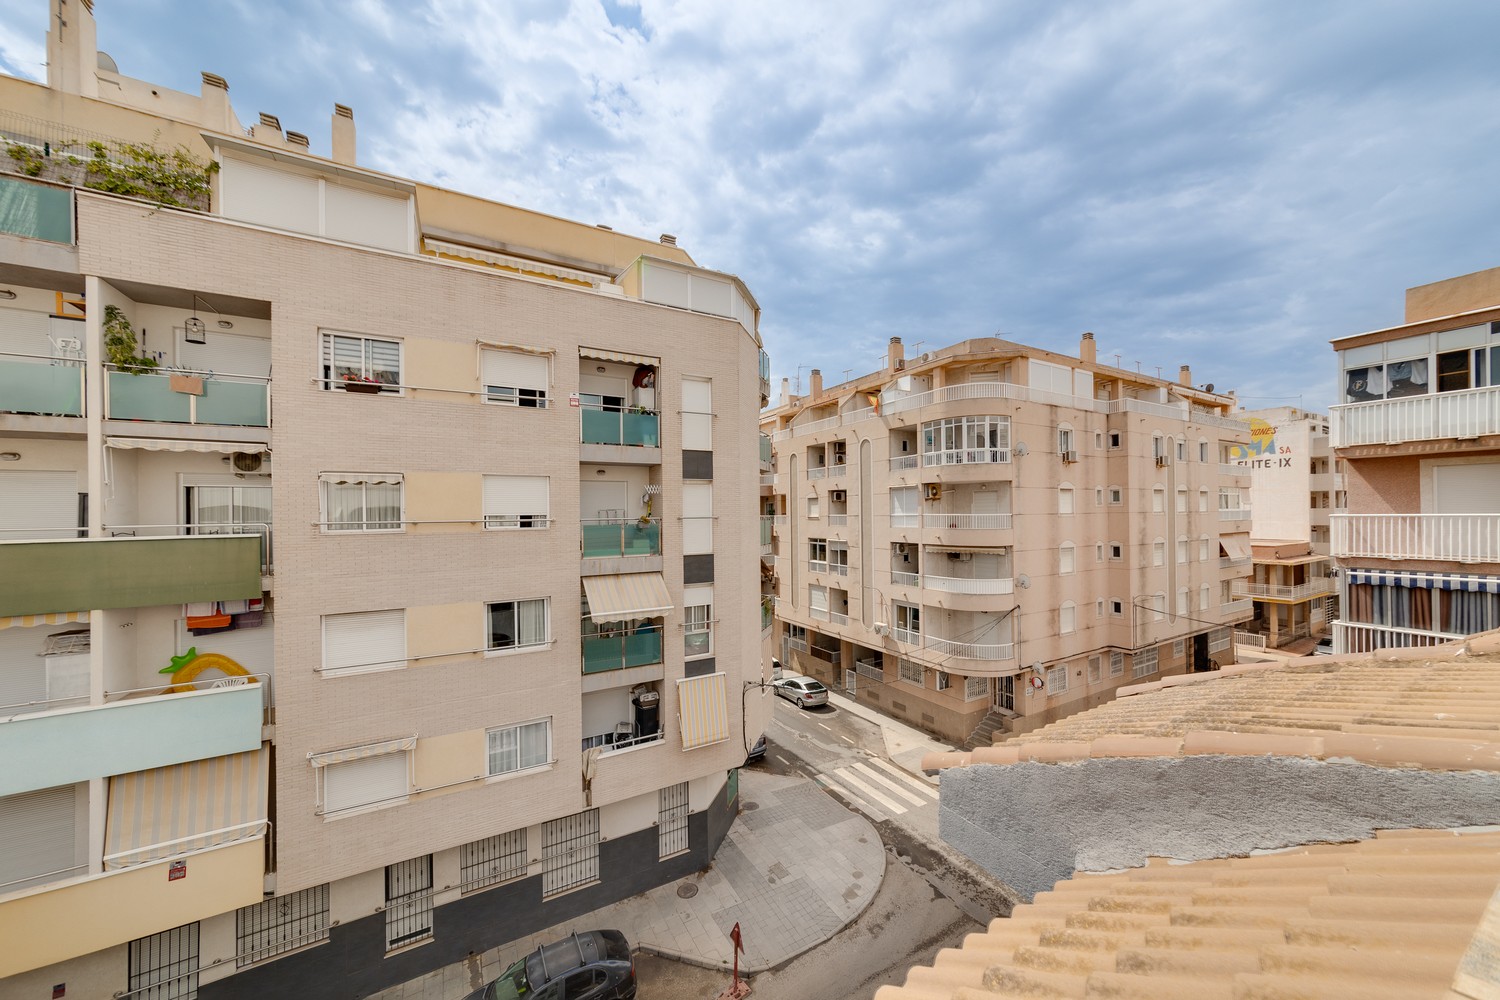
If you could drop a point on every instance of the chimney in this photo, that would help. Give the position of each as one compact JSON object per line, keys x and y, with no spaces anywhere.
{"x":1087,"y":349}
{"x":668,"y":240}
{"x":297,"y":139}
{"x":786,"y":390}
{"x":896,"y":355}
{"x":815,"y":383}
{"x":1185,"y":376}
{"x":268,"y":130}
{"x":213,"y":102}
{"x":343,"y":134}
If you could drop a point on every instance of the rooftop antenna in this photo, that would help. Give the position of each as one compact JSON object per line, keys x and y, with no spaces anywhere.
{"x":847,"y":373}
{"x":1158,"y":371}
{"x":798,"y":380}
{"x":1117,"y":361}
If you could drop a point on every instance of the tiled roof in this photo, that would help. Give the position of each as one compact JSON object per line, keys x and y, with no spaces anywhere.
{"x":1381,"y":919}
{"x":1419,"y":708}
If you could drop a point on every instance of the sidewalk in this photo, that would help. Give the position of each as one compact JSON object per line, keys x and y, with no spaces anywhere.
{"x":904,"y":745}
{"x":795,"y":869}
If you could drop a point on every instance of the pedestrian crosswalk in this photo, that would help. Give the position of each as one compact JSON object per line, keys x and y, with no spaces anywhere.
{"x":879,"y":788}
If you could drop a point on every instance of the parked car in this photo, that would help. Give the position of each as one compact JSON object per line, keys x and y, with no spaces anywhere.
{"x":592,"y":965}
{"x":805,"y":691}
{"x":758,"y":751}
{"x":1324,"y":646}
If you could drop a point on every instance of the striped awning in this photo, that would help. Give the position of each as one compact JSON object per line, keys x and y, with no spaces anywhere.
{"x":170,"y":811}
{"x":162,"y":444}
{"x":1426,"y":581}
{"x":620,"y":356}
{"x":361,"y":752}
{"x":54,"y":618}
{"x":626,"y":596}
{"x":1235,"y":546}
{"x":703,"y":711}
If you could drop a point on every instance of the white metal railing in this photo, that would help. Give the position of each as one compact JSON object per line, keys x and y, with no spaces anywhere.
{"x":1463,"y":538}
{"x":869,"y":671}
{"x":966,"y":456}
{"x":963,"y":585}
{"x":1229,"y":469}
{"x":912,"y":637}
{"x":1356,"y":637}
{"x":838,"y":569}
{"x":818,"y":473}
{"x":1301,"y":591}
{"x":835,"y":471}
{"x":1234,"y":513}
{"x":978,"y":522}
{"x":906,"y":579}
{"x":820,"y":614}
{"x":1236,"y":609}
{"x":778,"y":520}
{"x":905,"y":462}
{"x":1470,"y":413}
{"x":813,"y":426}
{"x":1249,"y":639}
{"x":817,"y":566}
{"x":906,"y":520}
{"x":838,"y":520}
{"x":972,"y":650}
{"x":837,"y":618}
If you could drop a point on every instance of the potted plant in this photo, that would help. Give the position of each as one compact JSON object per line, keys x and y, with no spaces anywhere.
{"x":120,"y":344}
{"x":354,"y":382}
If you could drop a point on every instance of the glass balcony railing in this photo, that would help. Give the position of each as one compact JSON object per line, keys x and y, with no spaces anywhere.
{"x":635,"y":427}
{"x":607,"y":539}
{"x":766,"y":456}
{"x":189,"y":398}
{"x":49,"y":386}
{"x":621,"y":650}
{"x":36,"y":210}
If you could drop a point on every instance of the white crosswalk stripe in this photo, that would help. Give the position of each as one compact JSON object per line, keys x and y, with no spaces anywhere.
{"x":910,"y":780}
{"x":883,"y":782}
{"x":847,"y":778}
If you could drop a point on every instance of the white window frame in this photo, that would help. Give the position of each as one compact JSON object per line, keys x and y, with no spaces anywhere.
{"x":1067,"y":559}
{"x":1057,"y":679}
{"x":1116,"y":608}
{"x":332,"y":380}
{"x":911,"y":614}
{"x":1116,"y":663}
{"x":1158,"y":500}
{"x":697,"y":620}
{"x":1159,"y":552}
{"x":1143,"y":663}
{"x":524,"y":397}
{"x":1065,"y":503}
{"x":521,"y":765}
{"x":1067,"y":618}
{"x":497,"y":519}
{"x":517,"y":646}
{"x":1116,"y":495}
{"x":904,"y":669}
{"x":396,"y":662}
{"x":356,"y":807}
{"x":327,"y":482}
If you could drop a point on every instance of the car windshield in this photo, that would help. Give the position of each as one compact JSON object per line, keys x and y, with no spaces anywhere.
{"x":511,"y":985}
{"x":814,"y":687}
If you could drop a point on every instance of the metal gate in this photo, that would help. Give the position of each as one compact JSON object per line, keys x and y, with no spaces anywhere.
{"x":165,"y":966}
{"x":570,"y":852}
{"x":672,"y":821}
{"x":408,"y":901}
{"x":849,"y":674}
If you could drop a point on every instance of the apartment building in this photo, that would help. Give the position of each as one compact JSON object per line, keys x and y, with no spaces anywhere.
{"x":379,"y":574}
{"x":1418,"y":430}
{"x":985,"y":538}
{"x":1293,"y":493}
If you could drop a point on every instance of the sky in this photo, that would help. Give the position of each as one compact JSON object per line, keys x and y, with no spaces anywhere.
{"x":1227,"y":185}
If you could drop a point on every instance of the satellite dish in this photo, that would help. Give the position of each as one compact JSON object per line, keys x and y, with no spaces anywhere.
{"x":1209,"y":387}
{"x":1021,"y":449}
{"x":1023,"y":581}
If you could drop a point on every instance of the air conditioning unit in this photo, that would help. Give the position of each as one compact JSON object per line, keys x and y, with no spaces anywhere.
{"x":900,"y":548}
{"x":881,"y":628}
{"x":247,"y":461}
{"x":1070,"y":456}
{"x":932,"y":491}
{"x":838,"y":496}
{"x":1161,"y":461}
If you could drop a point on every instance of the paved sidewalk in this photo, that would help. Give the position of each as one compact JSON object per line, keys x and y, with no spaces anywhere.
{"x":795,"y":868}
{"x":904,"y":745}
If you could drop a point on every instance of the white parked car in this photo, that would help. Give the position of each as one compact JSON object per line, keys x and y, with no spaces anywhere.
{"x":804,"y":691}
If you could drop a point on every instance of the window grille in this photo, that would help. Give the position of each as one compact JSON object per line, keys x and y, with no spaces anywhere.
{"x":1143,"y":664}
{"x":165,"y":966}
{"x":281,"y":924}
{"x":492,"y":860}
{"x":910,"y":672}
{"x":408,"y":901}
{"x":570,"y":852}
{"x":672,"y":821}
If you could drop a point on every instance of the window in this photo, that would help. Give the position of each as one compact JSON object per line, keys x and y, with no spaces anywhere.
{"x":909,"y":672}
{"x":518,"y":624}
{"x":1158,"y":500}
{"x":280,"y":924}
{"x":1099,"y":608}
{"x":1114,"y":439}
{"x":908,"y":624}
{"x":1225,"y":594}
{"x":1182,"y":602}
{"x":1066,"y":558}
{"x":165,"y":966}
{"x":1098,"y":440}
{"x":1094,"y":669}
{"x":570,"y":852}
{"x":515,"y":378}
{"x":1182,"y":551}
{"x":1116,"y":495}
{"x":671,"y":833}
{"x":350,"y":358}
{"x":1158,"y":447}
{"x":1116,"y":663}
{"x":817,"y":555}
{"x":1116,"y":608}
{"x":355,"y":501}
{"x":516,"y":501}
{"x":1159,"y":552}
{"x":697,"y":620}
{"x":904,"y":509}
{"x":1158,"y":607}
{"x":1143,"y":664}
{"x":517,"y":748}
{"x":363,"y":641}
{"x":1203,"y":598}
{"x":1177,"y":647}
{"x":1182,"y":505}
{"x":1064,"y":439}
{"x":1098,"y":552}
{"x":1065,"y":499}
{"x":408,"y":902}
{"x":492,"y":860}
{"x":814,"y":507}
{"x":966,"y":440}
{"x":838,"y":558}
{"x":697,"y":518}
{"x":1181,"y":450}
{"x":1067,"y":618}
{"x":1203,"y":549}
{"x":1202,"y":450}
{"x":941,"y":680}
{"x":697,"y":414}
{"x":1116,"y":550}
{"x":379,"y":779}
{"x":1098,"y":496}
{"x":1203,"y":501}
{"x":1057,"y":679}
{"x":978,"y":687}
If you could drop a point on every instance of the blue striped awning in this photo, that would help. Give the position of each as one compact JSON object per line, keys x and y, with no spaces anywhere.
{"x":1426,"y":581}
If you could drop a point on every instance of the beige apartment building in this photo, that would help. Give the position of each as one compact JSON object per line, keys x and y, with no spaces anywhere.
{"x":985,"y":538}
{"x":1418,"y":430}
{"x":378,"y":579}
{"x":1293,"y":492}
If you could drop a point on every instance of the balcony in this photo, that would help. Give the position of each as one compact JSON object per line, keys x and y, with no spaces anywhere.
{"x":620,"y":650}
{"x":1460,"y":538}
{"x":906,"y":579}
{"x":966,"y":456}
{"x":905,"y":462}
{"x":819,"y":472}
{"x":46,"y":386}
{"x":765,"y":532}
{"x":1234,"y":513}
{"x":1273,"y":592}
{"x":144,"y":730}
{"x":767,"y":456}
{"x":1229,"y":469}
{"x":817,"y":566}
{"x":971,"y":650}
{"x":95,"y":573}
{"x":1355,"y":637}
{"x":968,"y":522}
{"x":835,"y":471}
{"x":1442,"y":416}
{"x":970,"y":585}
{"x":36,"y":211}
{"x":1325,"y":482}
{"x":618,"y":539}
{"x":260,"y":530}
{"x":1236,"y":610}
{"x":226,"y":400}
{"x":634,"y":428}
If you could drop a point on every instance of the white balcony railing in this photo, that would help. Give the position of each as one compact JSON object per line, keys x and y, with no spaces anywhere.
{"x":978,"y":522}
{"x":817,"y":473}
{"x":912,"y":637}
{"x":905,"y":462}
{"x":961,"y":585}
{"x":768,"y":479}
{"x":966,"y":456}
{"x":906,"y":579}
{"x":817,"y":566}
{"x":1461,"y":538}
{"x":1234,"y":513}
{"x":1236,"y":610}
{"x":1355,"y":637}
{"x":1439,"y":416}
{"x":1299,"y":592}
{"x":972,"y":650}
{"x":834,"y":471}
{"x":820,"y":614}
{"x":906,"y":520}
{"x":1250,"y":640}
{"x":837,"y":618}
{"x":838,"y":569}
{"x":838,"y":520}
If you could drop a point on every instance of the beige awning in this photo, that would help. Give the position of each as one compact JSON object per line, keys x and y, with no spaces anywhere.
{"x":620,"y":356}
{"x":169,"y":811}
{"x":177,"y":444}
{"x":55,"y":618}
{"x":1235,"y":546}
{"x":703,"y":711}
{"x":626,"y":596}
{"x":361,"y":752}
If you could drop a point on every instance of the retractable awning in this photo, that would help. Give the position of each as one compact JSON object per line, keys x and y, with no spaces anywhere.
{"x":620,"y":356}
{"x":1426,"y":581}
{"x":169,"y":811}
{"x":162,"y":444}
{"x":1235,"y":546}
{"x":625,"y":596}
{"x":55,"y":618}
{"x":361,"y":752}
{"x":703,"y":711}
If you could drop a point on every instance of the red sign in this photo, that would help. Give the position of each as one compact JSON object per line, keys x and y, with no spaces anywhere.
{"x":177,"y":870}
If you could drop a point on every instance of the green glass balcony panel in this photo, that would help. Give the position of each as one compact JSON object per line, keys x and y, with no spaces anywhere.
{"x":601,"y":653}
{"x":600,"y":427}
{"x":765,"y":531}
{"x":640,"y":429}
{"x":240,"y":404}
{"x":39,"y":211}
{"x":765,"y":449}
{"x":38,"y":387}
{"x":603,"y":541}
{"x":616,"y":652}
{"x":642,"y":648}
{"x":147,"y":397}
{"x":86,"y":574}
{"x":642,"y":539}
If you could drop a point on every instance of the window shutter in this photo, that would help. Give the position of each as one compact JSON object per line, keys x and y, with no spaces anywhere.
{"x":367,"y":638}
{"x":697,"y":396}
{"x":817,"y":599}
{"x":904,"y":500}
{"x":1466,"y":489}
{"x":515,"y":495}
{"x":38,"y":505}
{"x":697,"y":513}
{"x":364,"y":782}
{"x":514,"y":369}
{"x":38,"y":831}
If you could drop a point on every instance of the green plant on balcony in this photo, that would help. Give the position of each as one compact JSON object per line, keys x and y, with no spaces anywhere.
{"x":140,"y":170}
{"x":27,"y":158}
{"x":120,"y":343}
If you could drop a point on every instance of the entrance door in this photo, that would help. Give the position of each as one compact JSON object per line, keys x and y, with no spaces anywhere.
{"x":1005,"y":693}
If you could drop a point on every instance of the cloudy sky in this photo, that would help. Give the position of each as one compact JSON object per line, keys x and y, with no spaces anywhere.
{"x":1227,"y":185}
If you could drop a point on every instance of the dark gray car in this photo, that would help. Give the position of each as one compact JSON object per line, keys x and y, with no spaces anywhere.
{"x":592,"y":965}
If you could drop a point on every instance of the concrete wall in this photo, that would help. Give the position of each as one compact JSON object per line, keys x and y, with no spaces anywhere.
{"x":1453,"y":295}
{"x":1031,"y":825}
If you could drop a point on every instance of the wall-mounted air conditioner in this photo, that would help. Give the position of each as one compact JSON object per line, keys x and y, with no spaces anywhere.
{"x":900,"y":548}
{"x":932,"y":491}
{"x":881,"y":628}
{"x":1070,"y":456}
{"x":838,"y":496}
{"x":1161,"y":461}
